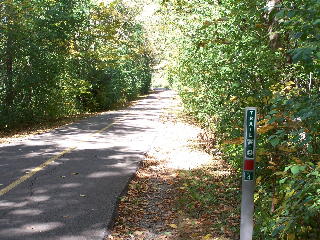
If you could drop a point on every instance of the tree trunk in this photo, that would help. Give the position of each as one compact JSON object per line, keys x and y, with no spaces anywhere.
{"x":274,"y":37}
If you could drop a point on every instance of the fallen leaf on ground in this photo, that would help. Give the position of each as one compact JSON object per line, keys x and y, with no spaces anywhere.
{"x":173,"y":226}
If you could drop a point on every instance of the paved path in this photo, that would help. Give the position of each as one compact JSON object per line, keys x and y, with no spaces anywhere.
{"x":64,"y":184}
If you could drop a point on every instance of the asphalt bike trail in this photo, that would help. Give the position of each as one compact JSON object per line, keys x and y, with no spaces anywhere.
{"x":64,"y":184}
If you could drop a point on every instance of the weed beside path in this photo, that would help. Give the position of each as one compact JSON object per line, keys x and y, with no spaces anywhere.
{"x":180,"y":192}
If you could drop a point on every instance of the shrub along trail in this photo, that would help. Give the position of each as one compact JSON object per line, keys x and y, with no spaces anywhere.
{"x":180,"y":191}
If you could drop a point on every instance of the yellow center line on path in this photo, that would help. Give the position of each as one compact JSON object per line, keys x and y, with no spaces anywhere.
{"x":45,"y":164}
{"x":105,"y":128}
{"x":34,"y":171}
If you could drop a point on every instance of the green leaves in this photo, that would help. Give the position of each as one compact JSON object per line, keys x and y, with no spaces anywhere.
{"x":300,"y":202}
{"x":274,"y":141}
{"x":316,"y":22}
{"x":303,"y":54}
{"x":295,"y":169}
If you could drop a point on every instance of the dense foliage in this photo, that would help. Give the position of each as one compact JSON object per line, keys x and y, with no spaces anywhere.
{"x":64,"y":57}
{"x":228,"y":55}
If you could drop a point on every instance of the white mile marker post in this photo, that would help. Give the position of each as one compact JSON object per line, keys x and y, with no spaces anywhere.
{"x":248,"y":178}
